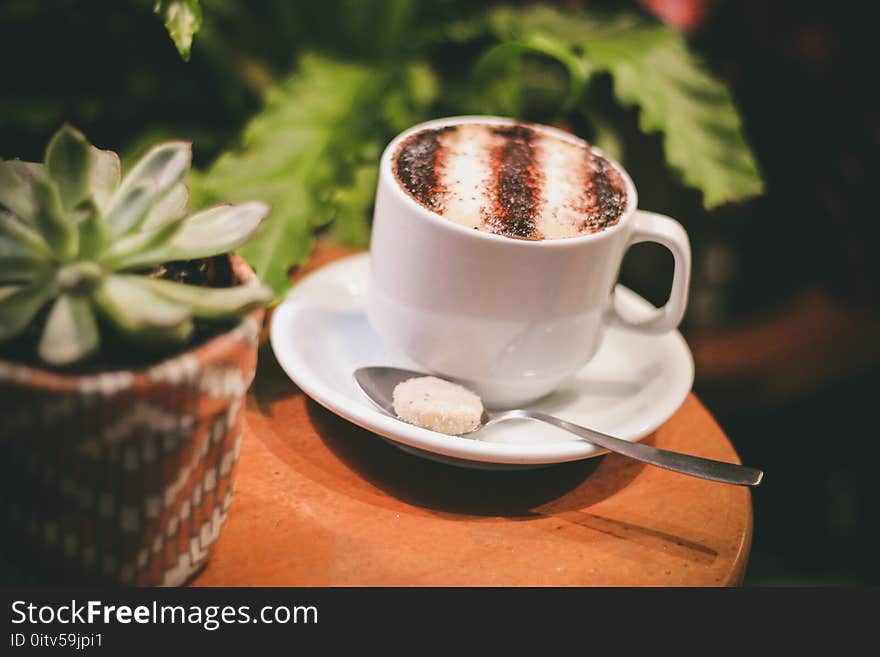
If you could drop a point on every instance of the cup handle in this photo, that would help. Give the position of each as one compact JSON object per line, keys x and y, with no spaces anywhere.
{"x":653,"y":227}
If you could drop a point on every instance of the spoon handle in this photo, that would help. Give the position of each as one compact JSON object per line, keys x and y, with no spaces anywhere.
{"x":728,"y":473}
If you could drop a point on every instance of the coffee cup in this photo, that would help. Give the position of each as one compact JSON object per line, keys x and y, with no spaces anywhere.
{"x":509,"y":318}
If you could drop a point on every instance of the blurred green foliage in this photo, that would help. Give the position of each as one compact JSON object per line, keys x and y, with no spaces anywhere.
{"x":183,"y":18}
{"x":292,"y":102}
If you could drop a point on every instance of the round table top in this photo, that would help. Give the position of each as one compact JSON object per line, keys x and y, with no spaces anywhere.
{"x":321,"y":502}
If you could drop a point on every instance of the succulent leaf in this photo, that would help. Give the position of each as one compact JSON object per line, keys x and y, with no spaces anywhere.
{"x":155,"y":174}
{"x":12,"y":229}
{"x":71,"y":226}
{"x":17,"y":187}
{"x":71,"y":332}
{"x":132,"y":251}
{"x":168,"y":209}
{"x":92,"y":230}
{"x":215,"y":230}
{"x":69,"y":164}
{"x":19,"y":265}
{"x":128,"y":303}
{"x":213,"y":303}
{"x":8,"y":290}
{"x":77,"y":274}
{"x":50,"y":220}
{"x":131,"y":210}
{"x":105,"y":176}
{"x":19,"y":306}
{"x":12,"y":248}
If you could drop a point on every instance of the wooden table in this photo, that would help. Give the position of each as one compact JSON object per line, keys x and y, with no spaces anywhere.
{"x":321,"y":502}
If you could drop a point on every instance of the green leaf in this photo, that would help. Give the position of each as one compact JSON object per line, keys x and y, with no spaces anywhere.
{"x":24,"y":256}
{"x":217,"y":230}
{"x":71,"y":332}
{"x":17,"y":180}
{"x":281,"y":245}
{"x":20,"y":268}
{"x":50,"y":220}
{"x":349,"y":226}
{"x":183,"y":19}
{"x":82,"y":273}
{"x":169,"y":208}
{"x":287,"y":160}
{"x":492,"y":65}
{"x":213,"y":302}
{"x":131,"y":210}
{"x":207,"y":233}
{"x":155,"y":175}
{"x":702,"y":132}
{"x":19,"y":305}
{"x":106,"y":172}
{"x":653,"y":69}
{"x":91,"y":228}
{"x":127,"y":252}
{"x":69,"y":164}
{"x":605,"y":135}
{"x":129,"y":304}
{"x":12,"y":248}
{"x":316,"y":130}
{"x":8,"y":290}
{"x":24,"y":235}
{"x":410,"y":93}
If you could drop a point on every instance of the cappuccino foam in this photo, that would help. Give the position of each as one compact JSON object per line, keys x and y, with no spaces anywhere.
{"x":511,"y":179}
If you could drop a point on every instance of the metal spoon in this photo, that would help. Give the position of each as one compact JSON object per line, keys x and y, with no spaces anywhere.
{"x":378,"y":384}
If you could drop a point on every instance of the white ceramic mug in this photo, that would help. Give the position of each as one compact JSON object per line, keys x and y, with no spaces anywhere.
{"x":509,"y":318}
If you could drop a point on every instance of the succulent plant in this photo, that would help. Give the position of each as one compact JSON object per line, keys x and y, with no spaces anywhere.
{"x":80,"y":239}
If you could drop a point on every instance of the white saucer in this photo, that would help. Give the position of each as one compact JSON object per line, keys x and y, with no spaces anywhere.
{"x":635,"y":382}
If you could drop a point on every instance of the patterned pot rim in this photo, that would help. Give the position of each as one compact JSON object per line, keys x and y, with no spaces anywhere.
{"x":214,"y":349}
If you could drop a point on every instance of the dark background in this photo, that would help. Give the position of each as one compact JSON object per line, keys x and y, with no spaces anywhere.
{"x":784,"y":314}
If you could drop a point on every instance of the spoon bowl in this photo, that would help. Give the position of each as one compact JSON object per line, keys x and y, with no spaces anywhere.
{"x":378,"y":384}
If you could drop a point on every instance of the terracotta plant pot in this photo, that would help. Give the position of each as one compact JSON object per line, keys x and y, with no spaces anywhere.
{"x":123,"y":477}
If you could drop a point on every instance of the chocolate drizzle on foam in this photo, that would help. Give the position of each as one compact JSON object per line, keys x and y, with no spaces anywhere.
{"x":419,"y":166}
{"x":605,"y":187}
{"x":512,"y":180}
{"x":517,"y":184}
